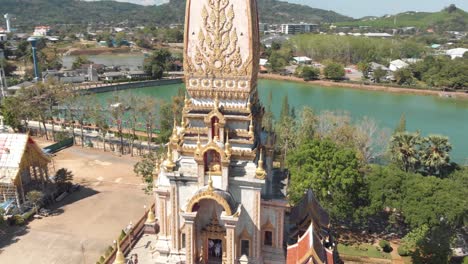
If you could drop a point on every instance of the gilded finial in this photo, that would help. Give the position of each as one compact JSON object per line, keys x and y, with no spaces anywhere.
{"x":182,"y":126}
{"x":151,"y":218}
{"x":198,"y":150}
{"x":210,"y":182}
{"x":175,"y":137}
{"x":216,"y":101}
{"x":187,"y":101}
{"x":248,"y":103}
{"x":169,"y":163}
{"x":119,"y":256}
{"x":260,"y":172}
{"x":251,"y":128}
{"x":227,"y":146}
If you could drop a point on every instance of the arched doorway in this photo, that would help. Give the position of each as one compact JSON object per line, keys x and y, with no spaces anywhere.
{"x":210,"y":231}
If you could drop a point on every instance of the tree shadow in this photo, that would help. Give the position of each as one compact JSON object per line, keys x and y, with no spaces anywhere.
{"x":82,"y":193}
{"x":11,"y":234}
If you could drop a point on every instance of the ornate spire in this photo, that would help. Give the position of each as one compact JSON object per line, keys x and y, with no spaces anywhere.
{"x":182,"y":126}
{"x":119,"y":256}
{"x":199,"y":146}
{"x":169,"y":163}
{"x":187,"y":101}
{"x":150,"y":219}
{"x":227,"y":146}
{"x":251,"y":128}
{"x":260,"y":172}
{"x":210,"y":182}
{"x":175,"y":137}
{"x":216,"y":102}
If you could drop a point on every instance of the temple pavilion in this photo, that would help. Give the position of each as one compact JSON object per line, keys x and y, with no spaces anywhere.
{"x":22,"y":163}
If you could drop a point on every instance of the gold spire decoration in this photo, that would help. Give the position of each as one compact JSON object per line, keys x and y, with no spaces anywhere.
{"x":248,"y":103}
{"x":227,"y":146}
{"x":199,"y":146}
{"x":169,"y":163}
{"x":175,"y":137}
{"x":119,"y":256}
{"x":210,"y":182}
{"x":150,"y":219}
{"x":260,"y":172}
{"x":182,"y":126}
{"x":187,"y":101}
{"x":216,"y":102}
{"x":251,"y":128}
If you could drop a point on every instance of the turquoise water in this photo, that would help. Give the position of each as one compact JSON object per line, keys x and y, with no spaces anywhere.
{"x":429,"y":114}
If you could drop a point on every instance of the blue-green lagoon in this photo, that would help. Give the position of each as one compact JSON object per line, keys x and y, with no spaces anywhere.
{"x":429,"y":114}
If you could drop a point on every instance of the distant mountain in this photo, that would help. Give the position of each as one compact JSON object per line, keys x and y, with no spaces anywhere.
{"x":451,"y":18}
{"x":34,"y":12}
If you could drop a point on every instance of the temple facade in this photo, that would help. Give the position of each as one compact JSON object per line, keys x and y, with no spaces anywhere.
{"x":211,"y":187}
{"x":218,"y":199}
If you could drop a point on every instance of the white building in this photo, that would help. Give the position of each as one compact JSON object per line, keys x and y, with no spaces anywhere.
{"x":3,"y":37}
{"x":456,"y":53}
{"x":397,"y":65}
{"x":291,"y":29}
{"x":302,"y":60}
{"x":378,"y":35}
{"x":41,"y":31}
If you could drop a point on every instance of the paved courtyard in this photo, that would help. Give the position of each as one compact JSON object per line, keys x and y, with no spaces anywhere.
{"x":87,"y":221}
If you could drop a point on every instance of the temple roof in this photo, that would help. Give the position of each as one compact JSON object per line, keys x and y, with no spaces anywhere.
{"x":12,"y":149}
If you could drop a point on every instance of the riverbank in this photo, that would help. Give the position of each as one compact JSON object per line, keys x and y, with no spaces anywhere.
{"x":459,"y":95}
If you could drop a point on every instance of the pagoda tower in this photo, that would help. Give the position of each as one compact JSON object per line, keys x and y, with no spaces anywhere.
{"x":214,"y":197}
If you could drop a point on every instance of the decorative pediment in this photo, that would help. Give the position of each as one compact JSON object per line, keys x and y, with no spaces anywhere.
{"x":215,"y":113}
{"x":212,"y":145}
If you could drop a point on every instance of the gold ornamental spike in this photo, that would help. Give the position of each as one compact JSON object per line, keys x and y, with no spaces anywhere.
{"x":260,"y":172}
{"x":251,"y":128}
{"x":210,"y":182}
{"x":119,"y":256}
{"x":150,"y":219}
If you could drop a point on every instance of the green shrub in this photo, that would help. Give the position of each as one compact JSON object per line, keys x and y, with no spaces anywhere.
{"x":465,"y":260}
{"x":403,"y":250}
{"x":122,"y":235}
{"x":385,"y":245}
{"x":18,"y":220}
{"x":102,"y":259}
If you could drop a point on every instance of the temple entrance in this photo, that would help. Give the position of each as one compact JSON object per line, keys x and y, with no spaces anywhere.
{"x":214,"y":241}
{"x":215,"y":250}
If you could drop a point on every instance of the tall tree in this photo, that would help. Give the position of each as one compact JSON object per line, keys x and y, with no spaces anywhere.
{"x":401,"y":124}
{"x":435,"y":154}
{"x":405,"y":150}
{"x":333,"y":173}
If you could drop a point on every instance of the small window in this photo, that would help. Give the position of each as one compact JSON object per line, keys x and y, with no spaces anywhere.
{"x":268,"y":238}
{"x":183,"y":240}
{"x":245,"y":247}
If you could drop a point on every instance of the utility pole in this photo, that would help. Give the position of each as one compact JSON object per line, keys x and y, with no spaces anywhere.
{"x":3,"y":83}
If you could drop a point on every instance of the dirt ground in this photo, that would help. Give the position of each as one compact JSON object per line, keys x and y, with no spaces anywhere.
{"x":86,"y":221}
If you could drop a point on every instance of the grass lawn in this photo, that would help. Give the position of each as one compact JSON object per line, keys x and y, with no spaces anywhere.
{"x":363,"y":250}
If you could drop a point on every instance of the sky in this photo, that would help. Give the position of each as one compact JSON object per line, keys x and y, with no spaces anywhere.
{"x":360,"y":8}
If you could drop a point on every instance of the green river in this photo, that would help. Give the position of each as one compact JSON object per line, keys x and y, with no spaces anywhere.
{"x":429,"y":114}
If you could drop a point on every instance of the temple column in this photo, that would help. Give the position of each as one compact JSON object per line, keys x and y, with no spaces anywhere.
{"x":230,"y":223}
{"x":161,"y":200}
{"x":175,"y":218}
{"x":190,"y":237}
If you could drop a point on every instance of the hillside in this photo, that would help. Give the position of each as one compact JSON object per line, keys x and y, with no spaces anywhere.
{"x":451,"y":18}
{"x":35,"y":12}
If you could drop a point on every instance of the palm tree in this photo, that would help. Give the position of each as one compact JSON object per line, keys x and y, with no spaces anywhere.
{"x":405,"y":150}
{"x":435,"y":155}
